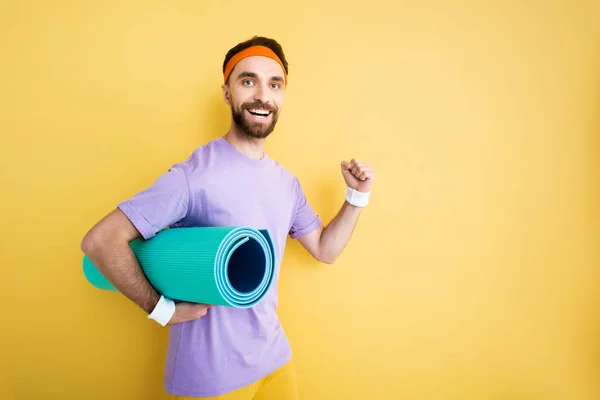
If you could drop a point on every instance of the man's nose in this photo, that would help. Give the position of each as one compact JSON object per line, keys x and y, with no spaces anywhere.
{"x":261,"y":94}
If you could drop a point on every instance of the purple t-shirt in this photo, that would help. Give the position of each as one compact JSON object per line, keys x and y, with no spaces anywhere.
{"x":218,"y":186}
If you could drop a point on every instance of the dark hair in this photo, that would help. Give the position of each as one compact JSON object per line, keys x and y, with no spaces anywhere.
{"x":257,"y":41}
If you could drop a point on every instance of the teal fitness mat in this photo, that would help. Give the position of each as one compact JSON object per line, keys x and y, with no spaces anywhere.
{"x":229,"y":266}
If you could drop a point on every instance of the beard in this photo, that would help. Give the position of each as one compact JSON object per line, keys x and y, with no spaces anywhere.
{"x":253,"y":129}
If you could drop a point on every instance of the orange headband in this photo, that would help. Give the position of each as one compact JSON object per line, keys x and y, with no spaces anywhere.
{"x":249,"y":52}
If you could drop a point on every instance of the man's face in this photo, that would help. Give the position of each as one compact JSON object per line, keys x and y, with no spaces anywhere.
{"x":255,"y":94}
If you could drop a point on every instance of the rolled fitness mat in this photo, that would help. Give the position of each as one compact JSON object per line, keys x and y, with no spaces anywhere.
{"x":229,"y":266}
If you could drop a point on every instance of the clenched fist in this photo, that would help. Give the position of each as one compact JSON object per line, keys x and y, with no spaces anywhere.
{"x":358,"y":175}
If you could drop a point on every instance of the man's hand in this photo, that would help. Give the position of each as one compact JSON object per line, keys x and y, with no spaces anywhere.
{"x":185,"y":312}
{"x":358,"y":175}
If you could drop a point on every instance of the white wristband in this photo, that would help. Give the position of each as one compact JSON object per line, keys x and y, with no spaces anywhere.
{"x":163,"y":311}
{"x":356,"y":198}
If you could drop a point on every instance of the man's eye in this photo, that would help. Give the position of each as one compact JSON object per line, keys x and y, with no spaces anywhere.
{"x":247,"y":83}
{"x":275,"y":85}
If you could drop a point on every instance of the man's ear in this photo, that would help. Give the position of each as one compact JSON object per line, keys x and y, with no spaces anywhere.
{"x":226,"y":94}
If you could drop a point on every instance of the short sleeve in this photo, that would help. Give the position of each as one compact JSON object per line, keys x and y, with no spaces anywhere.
{"x":305,"y":218}
{"x":162,"y":204}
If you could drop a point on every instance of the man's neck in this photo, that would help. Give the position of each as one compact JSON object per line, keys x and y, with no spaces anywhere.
{"x":250,"y":147}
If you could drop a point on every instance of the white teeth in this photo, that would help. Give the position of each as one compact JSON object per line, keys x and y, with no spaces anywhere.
{"x":261,"y":112}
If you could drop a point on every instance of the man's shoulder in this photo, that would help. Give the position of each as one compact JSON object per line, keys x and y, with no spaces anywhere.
{"x":201,"y":157}
{"x":284,"y":171}
{"x":215,"y":156}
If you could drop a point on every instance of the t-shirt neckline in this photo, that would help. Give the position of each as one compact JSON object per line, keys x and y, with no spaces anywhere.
{"x":242,"y":157}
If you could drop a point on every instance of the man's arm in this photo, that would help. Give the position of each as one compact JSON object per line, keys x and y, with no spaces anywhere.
{"x":327,"y":243}
{"x":107,"y":246}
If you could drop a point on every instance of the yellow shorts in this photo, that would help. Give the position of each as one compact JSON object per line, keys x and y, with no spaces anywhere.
{"x":279,"y":385}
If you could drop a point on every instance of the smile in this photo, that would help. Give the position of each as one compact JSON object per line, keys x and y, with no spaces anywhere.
{"x":259,"y":113}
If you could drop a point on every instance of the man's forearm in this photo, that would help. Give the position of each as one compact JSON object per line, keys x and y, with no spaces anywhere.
{"x":338,"y":232}
{"x":118,"y":264}
{"x":327,"y":243}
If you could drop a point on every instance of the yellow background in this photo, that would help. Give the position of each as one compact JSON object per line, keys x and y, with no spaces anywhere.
{"x":473,"y":274}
